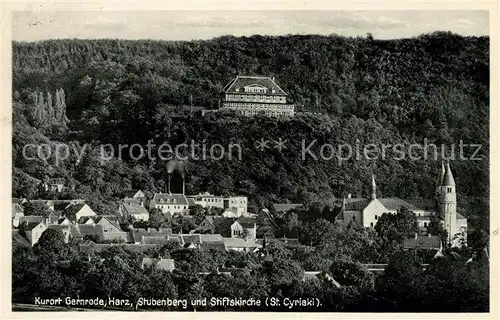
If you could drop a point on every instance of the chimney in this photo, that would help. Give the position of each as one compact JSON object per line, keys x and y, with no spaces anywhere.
{"x":349,"y":196}
{"x":272,"y":78}
{"x":168,"y":183}
{"x":416,"y":236}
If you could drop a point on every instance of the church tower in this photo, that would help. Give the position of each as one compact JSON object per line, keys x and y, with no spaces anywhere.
{"x":448,"y":202}
{"x":373,"y":191}
{"x":439,"y":182}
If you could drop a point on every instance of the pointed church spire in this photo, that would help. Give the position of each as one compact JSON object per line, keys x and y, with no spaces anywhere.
{"x":448,"y":176}
{"x":373,"y":194}
{"x":441,"y":175}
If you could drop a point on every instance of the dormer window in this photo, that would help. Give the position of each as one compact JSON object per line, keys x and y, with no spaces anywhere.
{"x":273,"y":90}
{"x":237,"y":89}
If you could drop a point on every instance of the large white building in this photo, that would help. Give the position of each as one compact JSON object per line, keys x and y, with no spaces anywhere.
{"x":251,"y":95}
{"x":365,"y":212}
{"x":238,"y":204}
{"x":169,"y":203}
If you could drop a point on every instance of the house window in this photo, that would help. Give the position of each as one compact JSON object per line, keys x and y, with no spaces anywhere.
{"x":371,"y":224}
{"x":376,"y":217}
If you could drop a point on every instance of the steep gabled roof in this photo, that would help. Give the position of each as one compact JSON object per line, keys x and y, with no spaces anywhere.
{"x":132,"y":208}
{"x":19,"y":240}
{"x":245,"y":81}
{"x":131,"y":193}
{"x":71,"y":211}
{"x":166,"y":198}
{"x":247,"y":222}
{"x":31,"y":219}
{"x":17,"y":210}
{"x":29,"y":225}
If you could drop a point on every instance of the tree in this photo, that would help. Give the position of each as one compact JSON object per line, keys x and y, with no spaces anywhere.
{"x":401,"y":283}
{"x":292,"y":225}
{"x":198,"y":212}
{"x":37,"y":209}
{"x":51,"y":242}
{"x":156,"y":218}
{"x":436,"y":227}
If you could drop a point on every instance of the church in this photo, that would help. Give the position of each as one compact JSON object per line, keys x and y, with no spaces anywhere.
{"x":366,"y":211}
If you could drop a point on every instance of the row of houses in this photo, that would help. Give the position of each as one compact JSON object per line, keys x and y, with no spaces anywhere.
{"x":136,"y":203}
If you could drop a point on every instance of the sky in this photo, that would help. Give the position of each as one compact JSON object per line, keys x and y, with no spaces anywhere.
{"x":190,"y":25}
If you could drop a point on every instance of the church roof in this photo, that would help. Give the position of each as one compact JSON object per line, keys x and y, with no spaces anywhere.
{"x":396,"y":204}
{"x":356,"y":204}
{"x":244,"y":81}
{"x":448,"y":176}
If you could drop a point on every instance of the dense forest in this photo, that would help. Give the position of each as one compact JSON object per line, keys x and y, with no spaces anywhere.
{"x":94,"y":92}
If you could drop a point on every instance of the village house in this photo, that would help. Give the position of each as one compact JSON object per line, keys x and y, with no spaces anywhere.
{"x":139,"y":234}
{"x":136,"y":194}
{"x":239,"y":244}
{"x":131,"y":208}
{"x":158,"y":263}
{"x":236,"y":205}
{"x":17,"y":212}
{"x":32,"y":227}
{"x":365,"y":212}
{"x":77,"y":211}
{"x":252,"y":95}
{"x":206,"y":200}
{"x":425,"y":242}
{"x":54,"y":185}
{"x":169,"y":203}
{"x":207,"y":225}
{"x":111,"y":229}
{"x":244,"y":228}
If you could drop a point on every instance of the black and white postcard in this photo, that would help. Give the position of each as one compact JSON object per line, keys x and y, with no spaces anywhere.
{"x":249,"y":159}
